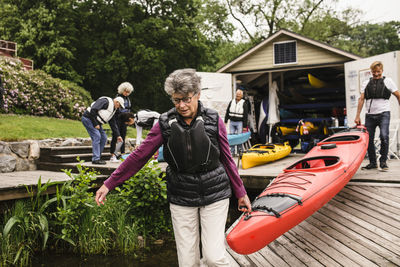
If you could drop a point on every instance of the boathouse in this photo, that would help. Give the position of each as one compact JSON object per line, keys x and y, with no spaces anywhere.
{"x":308,"y":77}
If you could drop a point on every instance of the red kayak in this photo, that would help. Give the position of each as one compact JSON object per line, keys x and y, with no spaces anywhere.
{"x":300,"y":190}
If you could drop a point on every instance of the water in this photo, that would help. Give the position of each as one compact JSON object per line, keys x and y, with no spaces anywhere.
{"x":160,"y":256}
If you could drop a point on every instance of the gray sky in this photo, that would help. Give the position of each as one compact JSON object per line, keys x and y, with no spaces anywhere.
{"x":375,"y":11}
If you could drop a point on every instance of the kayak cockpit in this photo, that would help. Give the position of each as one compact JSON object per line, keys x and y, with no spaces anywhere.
{"x":314,"y":163}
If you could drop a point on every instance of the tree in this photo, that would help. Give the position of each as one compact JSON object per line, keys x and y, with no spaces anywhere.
{"x":44,"y":31}
{"x":261,"y":18}
{"x":101,"y":43}
{"x":372,"y":39}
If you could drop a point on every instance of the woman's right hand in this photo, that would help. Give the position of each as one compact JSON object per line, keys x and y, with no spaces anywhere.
{"x":101,"y":195}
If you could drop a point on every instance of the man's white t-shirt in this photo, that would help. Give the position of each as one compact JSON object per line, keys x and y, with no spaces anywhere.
{"x":379,"y":105}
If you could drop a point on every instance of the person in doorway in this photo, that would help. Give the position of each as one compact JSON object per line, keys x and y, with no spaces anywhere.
{"x":144,"y":119}
{"x":200,"y":175}
{"x":100,"y":112}
{"x":376,"y":92}
{"x":124,"y":90}
{"x":236,"y":113}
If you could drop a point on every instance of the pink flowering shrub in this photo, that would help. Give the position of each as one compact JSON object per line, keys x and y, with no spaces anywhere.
{"x":37,"y":93}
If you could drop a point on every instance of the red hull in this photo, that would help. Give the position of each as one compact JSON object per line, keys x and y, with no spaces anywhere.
{"x":300,"y":190}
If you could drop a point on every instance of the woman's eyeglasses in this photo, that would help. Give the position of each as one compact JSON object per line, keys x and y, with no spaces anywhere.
{"x":186,"y":99}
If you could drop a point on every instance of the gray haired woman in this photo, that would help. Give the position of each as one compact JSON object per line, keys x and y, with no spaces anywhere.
{"x":124,"y":90}
{"x":201,"y":172}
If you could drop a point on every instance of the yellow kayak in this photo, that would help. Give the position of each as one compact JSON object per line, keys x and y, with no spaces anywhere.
{"x":263,"y":153}
{"x":286,"y":130}
{"x":303,"y":128}
{"x":315,"y":82}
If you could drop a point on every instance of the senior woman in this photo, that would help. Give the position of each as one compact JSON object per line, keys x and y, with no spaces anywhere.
{"x":124,"y":90}
{"x":200,"y":175}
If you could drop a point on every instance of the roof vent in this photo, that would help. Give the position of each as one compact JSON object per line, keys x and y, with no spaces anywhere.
{"x":285,"y":52}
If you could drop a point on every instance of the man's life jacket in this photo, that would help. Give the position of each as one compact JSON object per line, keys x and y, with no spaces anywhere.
{"x":104,"y":115}
{"x":236,"y":109}
{"x":377,"y":89}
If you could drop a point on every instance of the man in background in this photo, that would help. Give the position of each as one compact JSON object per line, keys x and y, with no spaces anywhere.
{"x":236,"y":113}
{"x":376,"y":92}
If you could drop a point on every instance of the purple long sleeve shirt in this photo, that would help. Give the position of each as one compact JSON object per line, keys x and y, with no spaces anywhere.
{"x":137,"y":159}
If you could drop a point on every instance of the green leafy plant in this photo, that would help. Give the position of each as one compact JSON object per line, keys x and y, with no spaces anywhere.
{"x":74,"y":198}
{"x":29,"y":224}
{"x":145,"y":195}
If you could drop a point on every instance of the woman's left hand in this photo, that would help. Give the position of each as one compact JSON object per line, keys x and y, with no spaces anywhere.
{"x":244,"y":204}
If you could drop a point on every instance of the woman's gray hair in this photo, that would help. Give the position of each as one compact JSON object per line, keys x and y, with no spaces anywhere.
{"x":183,"y":81}
{"x":125,"y":86}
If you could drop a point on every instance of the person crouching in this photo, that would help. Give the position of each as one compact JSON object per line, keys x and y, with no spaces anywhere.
{"x":100,"y":112}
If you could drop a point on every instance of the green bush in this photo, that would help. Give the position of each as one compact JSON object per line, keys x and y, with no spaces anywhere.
{"x":36,"y":93}
{"x":145,"y":195}
{"x":70,"y":221}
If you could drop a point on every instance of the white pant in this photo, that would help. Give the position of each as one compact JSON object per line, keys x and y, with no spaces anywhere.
{"x":187,"y":221}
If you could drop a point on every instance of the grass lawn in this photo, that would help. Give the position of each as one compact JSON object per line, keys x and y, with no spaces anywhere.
{"x":22,"y":127}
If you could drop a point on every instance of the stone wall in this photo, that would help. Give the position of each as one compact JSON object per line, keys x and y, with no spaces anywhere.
{"x":23,"y":156}
{"x":18,"y":156}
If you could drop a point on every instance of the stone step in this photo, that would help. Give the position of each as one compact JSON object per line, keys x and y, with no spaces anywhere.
{"x":66,"y":158}
{"x":50,"y":166}
{"x":68,"y":150}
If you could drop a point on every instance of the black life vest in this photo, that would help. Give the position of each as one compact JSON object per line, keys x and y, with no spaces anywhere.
{"x":195,"y":175}
{"x":377,"y":89}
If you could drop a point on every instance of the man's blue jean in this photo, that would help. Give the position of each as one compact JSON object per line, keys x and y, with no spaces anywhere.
{"x":381,"y":120}
{"x":98,"y":136}
{"x":235,"y":127}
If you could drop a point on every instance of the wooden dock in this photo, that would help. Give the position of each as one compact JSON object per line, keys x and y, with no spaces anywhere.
{"x":358,"y":227}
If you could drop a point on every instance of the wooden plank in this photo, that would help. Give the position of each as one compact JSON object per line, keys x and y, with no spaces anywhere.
{"x":393,"y":190}
{"x":242,"y":260}
{"x":284,"y":253}
{"x":377,"y":215}
{"x":303,"y":256}
{"x":370,"y":217}
{"x":374,"y":184}
{"x":360,"y":222}
{"x":391,"y":194}
{"x":362,"y":198}
{"x":365,"y":229}
{"x":232,"y":261}
{"x":370,"y":203}
{"x":377,"y":197}
{"x":347,"y":251}
{"x":271,"y":257}
{"x":349,"y":229}
{"x":258,"y":258}
{"x":309,"y":248}
{"x":355,"y":245}
{"x":327,"y":248}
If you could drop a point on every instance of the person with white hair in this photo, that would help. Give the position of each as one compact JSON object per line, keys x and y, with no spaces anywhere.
{"x":201,"y":173}
{"x":102,"y":111}
{"x":124,"y":90}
